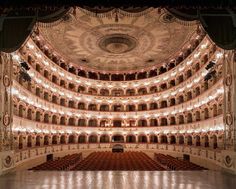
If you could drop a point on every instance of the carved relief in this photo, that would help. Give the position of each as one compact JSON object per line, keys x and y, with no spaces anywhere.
{"x":6,"y":140}
{"x":229,"y":98}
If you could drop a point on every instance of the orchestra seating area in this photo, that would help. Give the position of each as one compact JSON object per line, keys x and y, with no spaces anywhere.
{"x":130,"y":161}
{"x":65,"y":163}
{"x":118,"y":161}
{"x":173,"y":163}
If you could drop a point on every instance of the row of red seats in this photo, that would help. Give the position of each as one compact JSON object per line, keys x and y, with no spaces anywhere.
{"x":118,"y":161}
{"x":64,"y":163}
{"x":176,"y":164}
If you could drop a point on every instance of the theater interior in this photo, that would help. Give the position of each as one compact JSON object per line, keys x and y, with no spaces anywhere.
{"x":116,"y":94}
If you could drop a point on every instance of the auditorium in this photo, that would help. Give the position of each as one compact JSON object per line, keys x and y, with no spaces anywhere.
{"x":116,"y":94}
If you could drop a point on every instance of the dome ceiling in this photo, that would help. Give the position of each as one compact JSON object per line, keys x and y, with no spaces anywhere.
{"x":118,"y":41}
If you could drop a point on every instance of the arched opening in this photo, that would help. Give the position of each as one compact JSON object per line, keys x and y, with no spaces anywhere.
{"x":130,"y":139}
{"x":92,"y":91}
{"x":82,"y":139}
{"x":29,"y":141}
{"x":103,"y":123}
{"x":164,"y":139}
{"x":104,"y":92}
{"x":197,"y":91}
{"x":62,"y":120}
{"x":81,"y":89}
{"x":153,"y":122}
{"x":46,"y":96}
{"x":130,"y":92}
{"x":163,"y":86}
{"x":130,"y":107}
{"x":93,"y":139}
{"x":29,"y":114}
{"x":54,"y":119}
{"x":104,"y":139}
{"x":92,"y":107}
{"x":71,"y":104}
{"x":172,"y":121}
{"x":181,"y":119}
{"x":142,"y":139}
{"x":92,"y":75}
{"x":62,"y":83}
{"x":62,"y":139}
{"x":198,"y":141}
{"x":206,"y":141}
{"x":62,"y":102}
{"x":172,"y":83}
{"x":117,"y":138}
{"x":54,"y":139}
{"x":180,"y":78}
{"x":181,"y":139}
{"x":142,"y":107}
{"x":71,"y":139}
{"x":38,"y":141}
{"x":104,"y":77}
{"x":172,"y":139}
{"x":181,"y":99}
{"x":21,"y":110}
{"x":117,"y":92}
{"x":71,"y":86}
{"x":117,"y":123}
{"x":54,"y":79}
{"x":54,"y":99}
{"x":153,"y":139}
{"x":46,"y":118}
{"x":46,"y":140}
{"x":214,"y":140}
{"x":198,"y":117}
{"x":71,"y":121}
{"x":163,"y":121}
{"x":153,"y":106}
{"x":206,"y":113}
{"x":189,"y":140}
{"x":92,"y":123}
{"x":117,"y":108}
{"x":189,"y":73}
{"x":130,"y":77}
{"x":189,"y":118}
{"x":142,"y":75}
{"x":142,"y":91}
{"x":153,"y":89}
{"x":104,"y":107}
{"x":214,"y":110}
{"x":172,"y":101}
{"x":81,"y":122}
{"x":163,"y":104}
{"x":189,"y":95}
{"x":142,"y":123}
{"x":81,"y":106}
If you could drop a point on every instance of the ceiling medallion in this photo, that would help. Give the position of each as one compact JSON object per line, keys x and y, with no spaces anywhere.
{"x":117,"y":43}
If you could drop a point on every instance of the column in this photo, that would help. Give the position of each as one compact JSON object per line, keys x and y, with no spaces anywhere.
{"x":6,"y":116}
{"x":229,"y":112}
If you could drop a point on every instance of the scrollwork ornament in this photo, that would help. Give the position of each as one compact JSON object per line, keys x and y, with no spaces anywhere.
{"x":6,"y":119}
{"x":228,"y":161}
{"x":6,"y":81}
{"x":7,"y":161}
{"x":228,"y":80}
{"x":229,"y":119}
